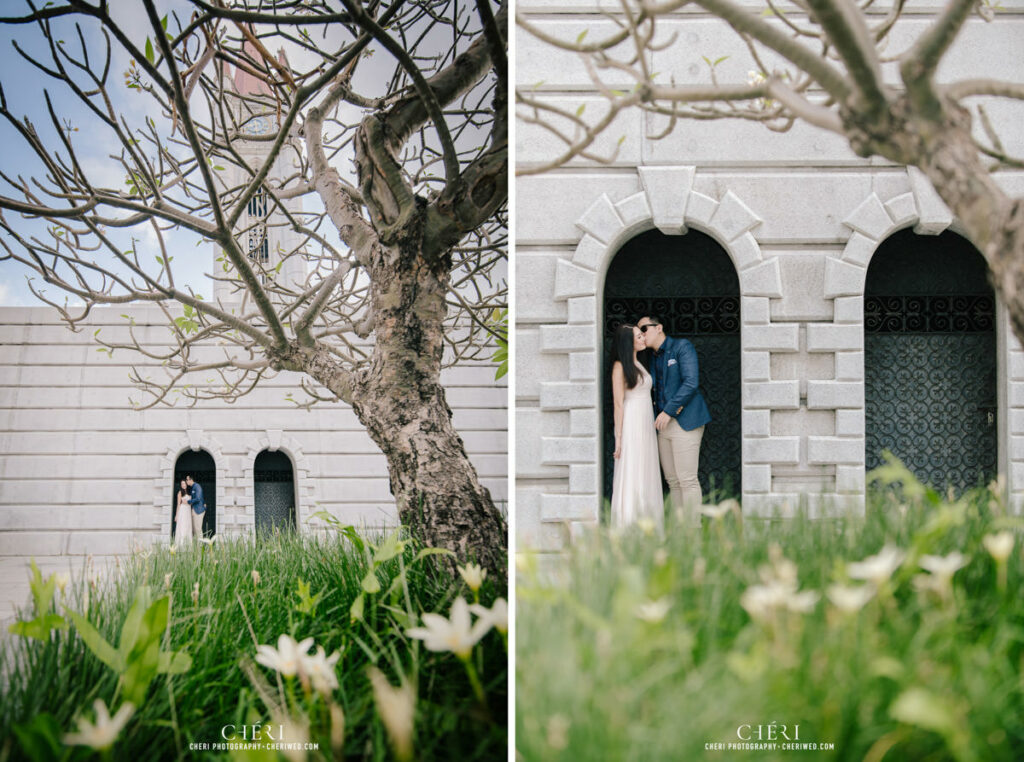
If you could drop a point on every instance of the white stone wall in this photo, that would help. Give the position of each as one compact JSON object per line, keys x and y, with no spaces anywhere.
{"x":799,"y":215}
{"x":82,"y":472}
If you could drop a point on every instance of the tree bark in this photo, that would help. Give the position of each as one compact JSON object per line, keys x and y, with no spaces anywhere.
{"x":400,"y":400}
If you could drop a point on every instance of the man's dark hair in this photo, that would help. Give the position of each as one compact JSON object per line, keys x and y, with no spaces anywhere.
{"x":653,"y":318}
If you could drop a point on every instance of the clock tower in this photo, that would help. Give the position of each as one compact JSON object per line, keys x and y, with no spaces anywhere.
{"x":263,"y":230}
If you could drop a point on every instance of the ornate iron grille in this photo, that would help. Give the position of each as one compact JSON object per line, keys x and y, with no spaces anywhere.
{"x":930,"y":360}
{"x":929,"y":314}
{"x":274,"y":491}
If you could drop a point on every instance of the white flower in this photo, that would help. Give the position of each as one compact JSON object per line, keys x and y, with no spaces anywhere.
{"x":167,"y":581}
{"x":879,"y":567}
{"x":944,"y":567}
{"x":208,"y":540}
{"x":455,"y":634}
{"x":473,"y":575}
{"x":497,"y":615}
{"x":255,"y":577}
{"x":715,"y":511}
{"x":319,"y":667}
{"x":755,"y":77}
{"x":653,"y":611}
{"x":62,"y":580}
{"x":287,"y":657}
{"x":397,"y":708}
{"x":778,"y":591}
{"x":849,"y":600}
{"x":106,"y":730}
{"x":802,"y":602}
{"x":999,"y":545}
{"x":646,"y":526}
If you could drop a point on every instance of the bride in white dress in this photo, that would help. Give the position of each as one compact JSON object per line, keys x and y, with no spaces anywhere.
{"x":636,"y":489}
{"x":183,"y":517}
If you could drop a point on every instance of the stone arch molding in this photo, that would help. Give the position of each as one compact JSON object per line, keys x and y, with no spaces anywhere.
{"x":871,"y":223}
{"x":195,"y":440}
{"x":305,"y":487}
{"x":669,"y":203}
{"x":845,"y":280}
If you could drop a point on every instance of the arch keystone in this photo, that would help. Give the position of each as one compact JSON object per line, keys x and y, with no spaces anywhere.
{"x":668,"y":190}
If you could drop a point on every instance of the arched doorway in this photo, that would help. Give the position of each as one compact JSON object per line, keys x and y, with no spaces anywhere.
{"x":200,"y":465}
{"x":691,"y":284}
{"x":930,"y":360}
{"x":274,"y":491}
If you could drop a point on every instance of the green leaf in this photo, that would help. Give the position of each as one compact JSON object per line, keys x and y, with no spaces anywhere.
{"x":96,"y":643}
{"x":370,"y":582}
{"x":174,"y":663}
{"x":42,"y":592}
{"x":131,"y":628}
{"x":581,"y":35}
{"x":388,"y":549}
{"x":38,"y":628}
{"x":356,"y":611}
{"x":144,"y":657}
{"x":149,"y":50}
{"x":581,"y":109}
{"x":163,"y":23}
{"x":719,"y":60}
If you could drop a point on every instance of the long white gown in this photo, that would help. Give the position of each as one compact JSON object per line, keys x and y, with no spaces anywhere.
{"x":183,"y":522}
{"x":636,"y":489}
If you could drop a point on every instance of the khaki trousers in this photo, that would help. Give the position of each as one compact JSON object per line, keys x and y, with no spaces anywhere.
{"x":679,"y":452}
{"x":197,"y":525}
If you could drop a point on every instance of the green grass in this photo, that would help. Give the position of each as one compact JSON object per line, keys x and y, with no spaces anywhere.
{"x":913,"y":675}
{"x":60,"y":676}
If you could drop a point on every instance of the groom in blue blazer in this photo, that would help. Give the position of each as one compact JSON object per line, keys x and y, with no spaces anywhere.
{"x":681,"y":414}
{"x":198,"y":505}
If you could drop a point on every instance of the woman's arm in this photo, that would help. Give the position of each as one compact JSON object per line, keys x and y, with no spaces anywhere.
{"x":618,"y":395}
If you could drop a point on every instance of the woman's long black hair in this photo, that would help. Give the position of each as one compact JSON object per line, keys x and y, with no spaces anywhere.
{"x":623,"y":352}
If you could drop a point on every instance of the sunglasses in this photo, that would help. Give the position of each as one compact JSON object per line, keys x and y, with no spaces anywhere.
{"x":643,"y":328}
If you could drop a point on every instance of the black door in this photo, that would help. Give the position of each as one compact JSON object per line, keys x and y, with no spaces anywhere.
{"x":274,"y":491}
{"x":199,"y":464}
{"x":930,"y":360}
{"x":690,"y":283}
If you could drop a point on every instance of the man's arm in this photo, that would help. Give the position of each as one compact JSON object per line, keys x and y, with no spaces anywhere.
{"x":686,"y":357}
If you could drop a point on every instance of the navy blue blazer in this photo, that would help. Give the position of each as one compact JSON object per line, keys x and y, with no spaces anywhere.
{"x":196,"y":500}
{"x":676,"y":377}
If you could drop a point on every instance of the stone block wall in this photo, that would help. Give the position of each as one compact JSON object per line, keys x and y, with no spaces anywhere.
{"x":799,"y":215}
{"x":81,"y":472}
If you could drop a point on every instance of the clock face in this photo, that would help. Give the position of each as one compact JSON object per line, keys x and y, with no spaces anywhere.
{"x":258,"y":125}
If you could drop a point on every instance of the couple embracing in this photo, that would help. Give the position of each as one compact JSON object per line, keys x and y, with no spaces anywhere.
{"x":670,"y":431}
{"x":188,"y":517}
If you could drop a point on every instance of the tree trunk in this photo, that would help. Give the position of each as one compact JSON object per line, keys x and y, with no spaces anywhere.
{"x":400,"y":400}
